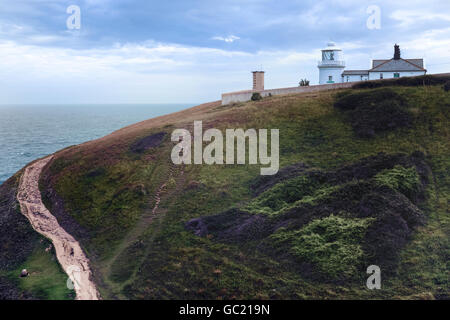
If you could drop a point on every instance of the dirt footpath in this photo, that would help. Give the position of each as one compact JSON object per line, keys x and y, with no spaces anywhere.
{"x":68,"y":250}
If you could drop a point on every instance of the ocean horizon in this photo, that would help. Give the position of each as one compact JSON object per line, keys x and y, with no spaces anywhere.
{"x":28,"y":132}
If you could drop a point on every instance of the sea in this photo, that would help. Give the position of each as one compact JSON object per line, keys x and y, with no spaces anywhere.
{"x":28,"y":132}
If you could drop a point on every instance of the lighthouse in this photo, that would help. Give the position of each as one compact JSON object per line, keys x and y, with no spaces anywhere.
{"x":332,"y":64}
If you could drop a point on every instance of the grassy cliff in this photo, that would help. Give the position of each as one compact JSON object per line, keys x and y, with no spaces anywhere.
{"x":364,"y":180}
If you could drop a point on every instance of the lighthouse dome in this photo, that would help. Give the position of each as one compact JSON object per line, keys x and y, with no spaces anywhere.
{"x":331,"y":46}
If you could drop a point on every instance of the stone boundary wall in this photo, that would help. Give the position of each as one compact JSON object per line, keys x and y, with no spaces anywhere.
{"x":242,"y":96}
{"x":246,"y":95}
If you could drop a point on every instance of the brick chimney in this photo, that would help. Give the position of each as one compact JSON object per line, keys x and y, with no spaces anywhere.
{"x":258,"y":80}
{"x":396,"y":52}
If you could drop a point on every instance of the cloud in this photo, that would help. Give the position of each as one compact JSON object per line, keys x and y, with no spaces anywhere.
{"x":111,"y":58}
{"x":138,"y":72}
{"x":230,"y":38}
{"x":129,"y":72}
{"x":408,"y":18}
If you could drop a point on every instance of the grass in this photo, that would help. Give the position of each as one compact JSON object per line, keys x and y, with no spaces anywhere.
{"x":171,"y":262}
{"x":46,"y":280}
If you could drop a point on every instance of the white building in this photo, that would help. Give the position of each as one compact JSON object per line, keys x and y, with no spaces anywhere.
{"x":331,"y":68}
{"x":332,"y":64}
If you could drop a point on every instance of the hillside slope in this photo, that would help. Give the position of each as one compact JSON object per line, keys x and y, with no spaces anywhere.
{"x":364,"y":180}
{"x":23,"y":248}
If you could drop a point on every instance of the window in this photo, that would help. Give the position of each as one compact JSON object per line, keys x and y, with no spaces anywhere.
{"x":327,"y":55}
{"x":348,"y":78}
{"x":381,"y":76}
{"x":330,"y":78}
{"x":396,"y":75}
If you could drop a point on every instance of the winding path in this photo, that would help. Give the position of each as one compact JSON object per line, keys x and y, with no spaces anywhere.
{"x":68,"y":250}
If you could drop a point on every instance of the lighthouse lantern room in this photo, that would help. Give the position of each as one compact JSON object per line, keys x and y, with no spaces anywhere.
{"x":332,"y":64}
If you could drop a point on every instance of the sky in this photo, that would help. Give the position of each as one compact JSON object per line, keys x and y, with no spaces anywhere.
{"x":191,"y":51}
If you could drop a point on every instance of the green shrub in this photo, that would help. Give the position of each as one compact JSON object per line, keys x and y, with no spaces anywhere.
{"x":346,"y":101}
{"x":283,"y":194}
{"x":256,"y":96}
{"x":401,"y":179}
{"x":404,"y":81}
{"x":332,"y":244}
{"x":374,"y":111}
{"x":447,"y":86}
{"x":387,"y":115}
{"x":342,"y":93}
{"x":304,"y":83}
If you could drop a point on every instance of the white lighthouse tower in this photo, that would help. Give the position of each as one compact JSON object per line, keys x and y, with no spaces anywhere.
{"x":332,"y":65}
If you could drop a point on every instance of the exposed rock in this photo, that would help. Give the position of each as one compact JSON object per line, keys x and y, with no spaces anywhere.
{"x":24,"y":273}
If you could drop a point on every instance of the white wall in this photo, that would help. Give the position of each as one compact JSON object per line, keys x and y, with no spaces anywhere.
{"x":353,"y":78}
{"x":336,"y":73}
{"x":242,"y":96}
{"x":389,"y":75}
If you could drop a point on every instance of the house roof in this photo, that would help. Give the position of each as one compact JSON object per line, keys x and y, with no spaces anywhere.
{"x":417,"y":62}
{"x":397,"y":65}
{"x":355,"y":72}
{"x":376,"y":63}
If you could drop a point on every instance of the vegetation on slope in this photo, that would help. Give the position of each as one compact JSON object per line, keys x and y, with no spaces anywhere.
{"x":333,"y":244}
{"x":365,"y":200}
{"x":23,"y":248}
{"x":104,"y":193}
{"x":374,"y":111}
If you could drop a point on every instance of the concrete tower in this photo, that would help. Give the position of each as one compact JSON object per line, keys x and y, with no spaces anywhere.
{"x":258,"y":80}
{"x":332,"y":65}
